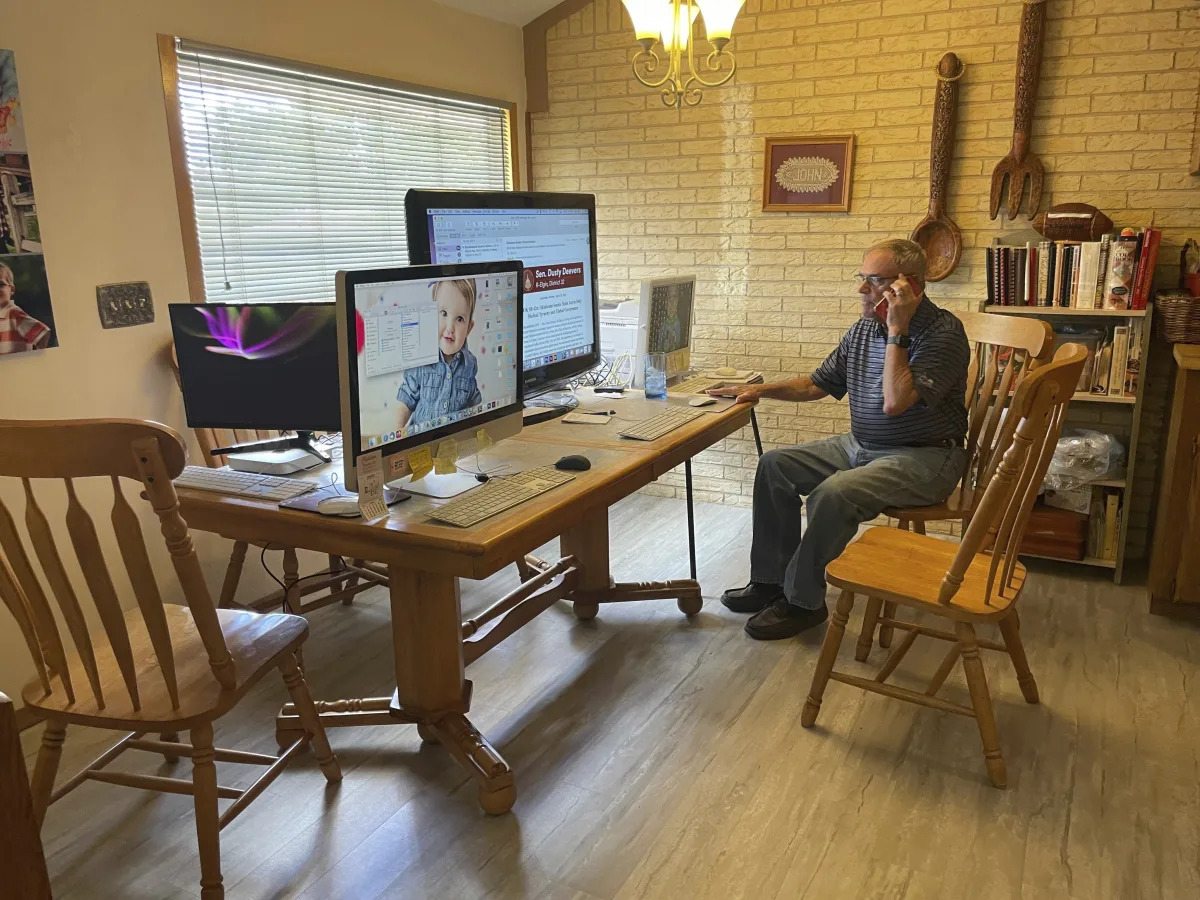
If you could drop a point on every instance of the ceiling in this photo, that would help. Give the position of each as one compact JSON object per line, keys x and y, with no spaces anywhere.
{"x":514,"y":12}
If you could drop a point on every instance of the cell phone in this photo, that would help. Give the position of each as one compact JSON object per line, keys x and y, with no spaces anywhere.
{"x":881,"y":310}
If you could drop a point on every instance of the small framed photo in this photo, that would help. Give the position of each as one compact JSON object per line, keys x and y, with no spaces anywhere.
{"x":809,"y":173}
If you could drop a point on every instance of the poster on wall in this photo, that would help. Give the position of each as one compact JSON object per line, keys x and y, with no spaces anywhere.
{"x":26,"y":316}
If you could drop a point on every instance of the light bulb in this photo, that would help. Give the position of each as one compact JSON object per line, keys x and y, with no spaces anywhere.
{"x":647,"y":18}
{"x":719,"y":16}
{"x":676,"y":24}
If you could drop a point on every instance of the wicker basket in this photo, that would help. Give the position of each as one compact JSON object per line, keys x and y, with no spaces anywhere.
{"x":1178,"y":314}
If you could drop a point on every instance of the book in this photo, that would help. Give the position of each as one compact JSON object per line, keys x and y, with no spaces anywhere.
{"x":1112,"y":503}
{"x":1076,"y":271}
{"x":1095,"y":535}
{"x":1043,"y":272}
{"x":1019,"y":276}
{"x":1103,"y":367}
{"x":1120,"y":359}
{"x":1067,"y":263}
{"x":1051,"y":273}
{"x":1133,"y":369}
{"x":1101,"y":272}
{"x":1144,"y":279}
{"x":1030,"y":274}
{"x":989,"y":256}
{"x":1089,"y":262}
{"x":1122,"y":260}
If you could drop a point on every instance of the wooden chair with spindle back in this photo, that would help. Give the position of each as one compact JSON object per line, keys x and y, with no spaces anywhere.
{"x":147,"y":666}
{"x":1005,"y":350}
{"x":974,"y":582}
{"x":341,"y":580}
{"x":22,"y":862}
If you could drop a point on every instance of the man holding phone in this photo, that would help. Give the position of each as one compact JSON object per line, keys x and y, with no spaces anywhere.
{"x":904,"y":365}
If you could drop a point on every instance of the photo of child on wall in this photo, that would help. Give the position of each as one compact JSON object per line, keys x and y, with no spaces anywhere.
{"x":26,"y":319}
{"x":448,"y":385}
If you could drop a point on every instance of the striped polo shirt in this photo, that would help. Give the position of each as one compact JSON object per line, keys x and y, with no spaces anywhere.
{"x":938,"y":358}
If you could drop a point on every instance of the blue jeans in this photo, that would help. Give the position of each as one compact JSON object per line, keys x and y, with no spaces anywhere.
{"x":844,"y":485}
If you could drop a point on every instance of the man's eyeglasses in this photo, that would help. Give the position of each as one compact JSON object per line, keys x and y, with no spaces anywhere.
{"x":875,"y":280}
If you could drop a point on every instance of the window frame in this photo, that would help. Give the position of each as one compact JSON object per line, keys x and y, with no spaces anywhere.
{"x":169,"y":64}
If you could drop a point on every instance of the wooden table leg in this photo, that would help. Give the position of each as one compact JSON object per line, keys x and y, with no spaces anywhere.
{"x":588,"y":543}
{"x":431,"y":685}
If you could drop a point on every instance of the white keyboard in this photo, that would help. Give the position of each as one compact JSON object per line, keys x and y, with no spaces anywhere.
{"x":242,"y":484}
{"x":500,"y":494}
{"x":698,"y":384}
{"x":664,"y":423}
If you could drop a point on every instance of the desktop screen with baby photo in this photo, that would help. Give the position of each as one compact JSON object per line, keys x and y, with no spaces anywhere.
{"x":432,"y":353}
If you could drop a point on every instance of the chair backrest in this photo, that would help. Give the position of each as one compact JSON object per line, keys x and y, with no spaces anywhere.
{"x":210,"y":439}
{"x":116,"y":449}
{"x":1006,"y":349}
{"x":1036,"y":412}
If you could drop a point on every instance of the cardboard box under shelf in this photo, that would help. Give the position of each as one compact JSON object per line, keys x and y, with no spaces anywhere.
{"x":1059,"y":533}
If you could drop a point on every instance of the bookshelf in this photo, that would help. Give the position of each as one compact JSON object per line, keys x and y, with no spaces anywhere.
{"x":1134,"y":404}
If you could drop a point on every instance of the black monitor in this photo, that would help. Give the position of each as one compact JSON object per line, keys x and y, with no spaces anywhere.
{"x":258,"y":366}
{"x":554,"y":236}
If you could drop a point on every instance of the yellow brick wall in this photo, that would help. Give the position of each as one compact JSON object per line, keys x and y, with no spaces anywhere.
{"x":681,"y":191}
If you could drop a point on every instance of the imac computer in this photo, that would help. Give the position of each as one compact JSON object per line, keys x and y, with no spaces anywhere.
{"x":428,"y":356}
{"x":665,"y":324}
{"x":554,"y":236}
{"x":260,"y":366}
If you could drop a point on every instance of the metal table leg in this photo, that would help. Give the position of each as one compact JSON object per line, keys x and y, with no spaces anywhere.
{"x":691,"y":516}
{"x":757,"y":436}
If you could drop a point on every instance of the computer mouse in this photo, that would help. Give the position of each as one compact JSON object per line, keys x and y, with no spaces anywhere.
{"x":342,"y":505}
{"x":725,"y":371}
{"x":702,"y":401}
{"x":574,"y":464}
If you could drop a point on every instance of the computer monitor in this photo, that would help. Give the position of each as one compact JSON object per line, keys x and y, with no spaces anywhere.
{"x":259,"y":366}
{"x":665,"y":324}
{"x":427,"y":353}
{"x":554,"y":235}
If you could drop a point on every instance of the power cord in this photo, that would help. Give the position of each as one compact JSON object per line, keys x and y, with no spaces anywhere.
{"x":283,"y":587}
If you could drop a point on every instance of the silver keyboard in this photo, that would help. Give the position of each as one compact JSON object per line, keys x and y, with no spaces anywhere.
{"x":664,"y":423}
{"x":242,"y":484}
{"x":500,"y":494}
{"x":698,"y":384}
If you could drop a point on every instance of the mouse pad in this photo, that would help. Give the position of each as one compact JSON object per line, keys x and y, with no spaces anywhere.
{"x":308,"y":502}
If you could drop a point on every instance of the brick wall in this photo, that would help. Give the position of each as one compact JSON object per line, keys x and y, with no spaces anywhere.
{"x":681,"y":191}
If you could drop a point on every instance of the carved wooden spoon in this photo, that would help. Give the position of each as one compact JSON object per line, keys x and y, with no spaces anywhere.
{"x":937,"y":234}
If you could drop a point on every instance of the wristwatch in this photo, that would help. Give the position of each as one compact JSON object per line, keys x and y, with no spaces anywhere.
{"x":900,"y":340}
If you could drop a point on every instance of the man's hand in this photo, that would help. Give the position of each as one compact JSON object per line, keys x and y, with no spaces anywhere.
{"x":903,"y":301}
{"x":745,"y":393}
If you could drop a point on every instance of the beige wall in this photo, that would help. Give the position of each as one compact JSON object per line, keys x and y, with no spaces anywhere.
{"x":92,"y":96}
{"x":682,"y":191}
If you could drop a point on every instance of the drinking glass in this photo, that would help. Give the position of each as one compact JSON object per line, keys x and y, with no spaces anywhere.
{"x":656,"y":375}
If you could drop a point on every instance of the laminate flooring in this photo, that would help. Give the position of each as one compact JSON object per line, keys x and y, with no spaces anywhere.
{"x":659,"y":757}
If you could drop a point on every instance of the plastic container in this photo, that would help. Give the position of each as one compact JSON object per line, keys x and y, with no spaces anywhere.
{"x":656,"y":375}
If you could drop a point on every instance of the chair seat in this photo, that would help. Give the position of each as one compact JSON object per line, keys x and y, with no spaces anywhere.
{"x":255,"y":642}
{"x":908,"y":568}
{"x":952,"y":508}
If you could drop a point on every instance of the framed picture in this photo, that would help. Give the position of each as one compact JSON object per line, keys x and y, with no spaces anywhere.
{"x":809,"y":173}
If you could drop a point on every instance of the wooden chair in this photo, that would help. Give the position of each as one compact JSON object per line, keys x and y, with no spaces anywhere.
{"x":341,"y":580}
{"x":156,"y":667}
{"x":977,"y":581}
{"x":22,"y":863}
{"x":1006,"y":349}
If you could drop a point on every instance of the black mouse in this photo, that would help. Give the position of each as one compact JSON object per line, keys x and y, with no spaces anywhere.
{"x":574,"y":463}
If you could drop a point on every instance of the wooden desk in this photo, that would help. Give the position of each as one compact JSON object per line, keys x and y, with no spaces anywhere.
{"x":1174,"y":564}
{"x":425,"y":559}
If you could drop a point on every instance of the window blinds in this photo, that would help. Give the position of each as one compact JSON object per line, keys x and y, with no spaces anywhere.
{"x":297,"y":172}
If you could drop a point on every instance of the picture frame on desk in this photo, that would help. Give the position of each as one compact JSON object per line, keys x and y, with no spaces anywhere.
{"x":808,"y":173}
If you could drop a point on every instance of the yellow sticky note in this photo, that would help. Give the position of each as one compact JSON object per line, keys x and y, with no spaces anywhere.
{"x":483,"y":440}
{"x":420,"y":463}
{"x":447,"y":456}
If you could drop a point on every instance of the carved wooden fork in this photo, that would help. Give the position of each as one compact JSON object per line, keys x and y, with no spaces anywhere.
{"x":1020,"y":164}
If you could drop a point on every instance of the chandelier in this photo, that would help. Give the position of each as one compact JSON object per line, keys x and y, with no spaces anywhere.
{"x":670,"y":22}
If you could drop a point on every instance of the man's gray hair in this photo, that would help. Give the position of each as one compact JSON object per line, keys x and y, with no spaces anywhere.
{"x":908,"y":255}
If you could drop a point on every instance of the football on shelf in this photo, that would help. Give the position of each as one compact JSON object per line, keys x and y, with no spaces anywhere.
{"x":1072,"y":222}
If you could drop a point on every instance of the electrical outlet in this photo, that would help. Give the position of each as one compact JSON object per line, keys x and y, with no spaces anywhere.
{"x":124,"y":304}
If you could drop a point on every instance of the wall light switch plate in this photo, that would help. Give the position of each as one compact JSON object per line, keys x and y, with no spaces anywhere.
{"x":124,"y":304}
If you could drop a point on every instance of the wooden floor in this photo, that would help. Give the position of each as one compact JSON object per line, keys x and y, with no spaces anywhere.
{"x":657,"y":757}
